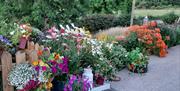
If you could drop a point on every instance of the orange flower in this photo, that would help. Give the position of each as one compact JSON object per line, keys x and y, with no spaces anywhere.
{"x":56,"y":56}
{"x":39,"y":53}
{"x":162,"y":53}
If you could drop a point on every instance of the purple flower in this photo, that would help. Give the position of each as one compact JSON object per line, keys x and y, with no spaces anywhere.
{"x":65,"y":65}
{"x":72,"y":79}
{"x":69,"y":87}
{"x":37,"y":68}
{"x":5,"y":40}
{"x":65,"y":60}
{"x":53,"y":62}
{"x":53,"y":69}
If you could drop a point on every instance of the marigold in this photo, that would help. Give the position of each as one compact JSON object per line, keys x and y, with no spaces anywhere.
{"x":35,"y":63}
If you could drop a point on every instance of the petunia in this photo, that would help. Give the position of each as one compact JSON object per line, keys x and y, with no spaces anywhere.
{"x":37,"y":68}
{"x":53,"y":69}
{"x":60,"y":65}
{"x":44,"y":68}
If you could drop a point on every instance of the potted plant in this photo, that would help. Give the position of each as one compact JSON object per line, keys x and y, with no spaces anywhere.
{"x":137,"y":62}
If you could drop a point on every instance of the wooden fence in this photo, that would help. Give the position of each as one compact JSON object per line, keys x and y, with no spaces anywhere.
{"x":6,"y":61}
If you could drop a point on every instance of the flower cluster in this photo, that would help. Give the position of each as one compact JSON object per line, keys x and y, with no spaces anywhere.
{"x":5,"y":40}
{"x":21,"y":74}
{"x":151,"y":38}
{"x":77,"y":84}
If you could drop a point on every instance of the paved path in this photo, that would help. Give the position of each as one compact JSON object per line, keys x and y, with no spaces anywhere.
{"x":163,"y":75}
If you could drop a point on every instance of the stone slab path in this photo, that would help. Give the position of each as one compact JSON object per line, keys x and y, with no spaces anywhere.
{"x":163,"y":75}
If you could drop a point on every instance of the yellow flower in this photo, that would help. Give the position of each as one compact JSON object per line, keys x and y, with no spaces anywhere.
{"x":35,"y":63}
{"x":49,"y":85}
{"x":41,"y":63}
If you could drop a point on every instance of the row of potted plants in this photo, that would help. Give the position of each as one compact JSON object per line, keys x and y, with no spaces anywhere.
{"x":77,"y":60}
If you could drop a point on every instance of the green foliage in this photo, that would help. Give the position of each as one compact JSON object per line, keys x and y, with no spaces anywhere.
{"x":137,"y":60}
{"x":7,"y":28}
{"x":169,"y":18}
{"x":117,"y":56}
{"x":157,"y":4}
{"x":178,"y":35}
{"x":66,"y":47}
{"x":45,"y":13}
{"x":131,"y":42}
{"x":95,"y":23}
{"x":171,"y":32}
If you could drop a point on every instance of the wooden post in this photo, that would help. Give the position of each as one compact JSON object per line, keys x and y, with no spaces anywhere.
{"x":36,"y":46}
{"x":132,"y":12}
{"x":20,"y":57}
{"x":33,"y":56}
{"x":6,"y":61}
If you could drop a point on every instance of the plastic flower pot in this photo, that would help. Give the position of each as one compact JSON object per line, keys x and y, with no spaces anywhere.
{"x":138,"y":69}
{"x":57,"y":85}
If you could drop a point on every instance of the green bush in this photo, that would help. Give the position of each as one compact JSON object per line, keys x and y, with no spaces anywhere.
{"x":131,"y":42}
{"x":169,"y":18}
{"x":97,"y":22}
{"x":178,"y":35}
{"x":117,"y":56}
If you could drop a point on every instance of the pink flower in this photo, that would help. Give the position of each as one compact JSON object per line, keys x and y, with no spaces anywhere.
{"x":120,"y":38}
{"x":44,"y":68}
{"x":60,"y":65}
{"x":62,"y":31}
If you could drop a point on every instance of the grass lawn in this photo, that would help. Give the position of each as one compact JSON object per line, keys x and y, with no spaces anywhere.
{"x":156,"y":12}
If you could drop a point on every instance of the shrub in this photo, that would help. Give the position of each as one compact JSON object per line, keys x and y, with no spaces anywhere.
{"x":169,"y":18}
{"x":98,"y":22}
{"x":117,"y":56}
{"x":178,"y":35}
{"x":169,"y":35}
{"x":137,"y":61}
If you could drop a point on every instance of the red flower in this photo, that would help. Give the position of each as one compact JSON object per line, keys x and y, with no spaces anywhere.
{"x":39,"y":53}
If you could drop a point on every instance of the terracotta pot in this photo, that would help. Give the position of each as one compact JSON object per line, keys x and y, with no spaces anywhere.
{"x":100,"y":80}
